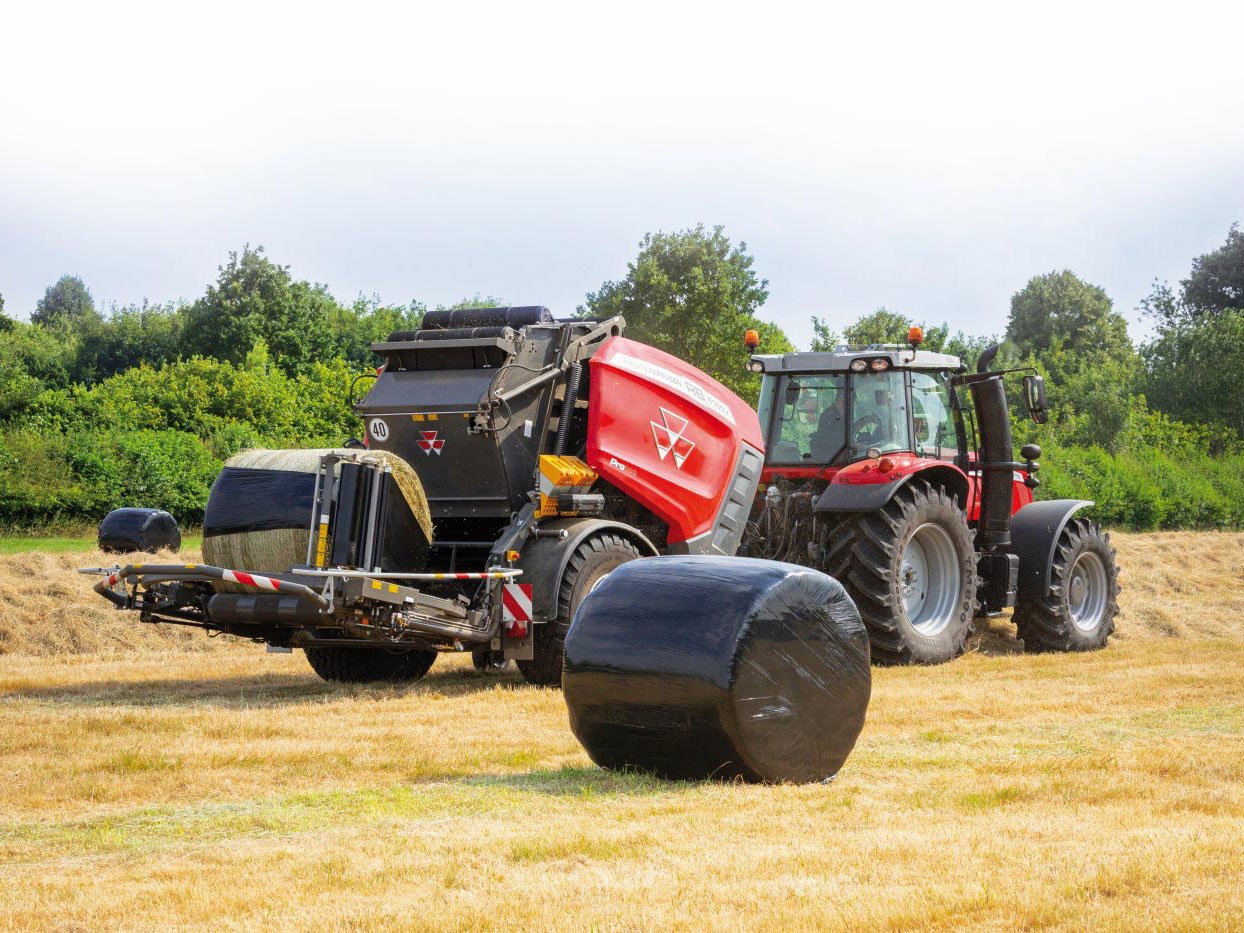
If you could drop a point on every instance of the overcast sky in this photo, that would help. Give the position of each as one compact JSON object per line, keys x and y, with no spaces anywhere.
{"x":930,"y":159}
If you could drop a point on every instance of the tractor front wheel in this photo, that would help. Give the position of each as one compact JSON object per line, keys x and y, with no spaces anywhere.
{"x":591,"y":562}
{"x":1078,"y":613}
{"x":910,"y":566}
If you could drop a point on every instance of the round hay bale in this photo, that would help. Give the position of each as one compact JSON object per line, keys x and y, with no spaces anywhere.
{"x":698,"y":667}
{"x":258,"y":514}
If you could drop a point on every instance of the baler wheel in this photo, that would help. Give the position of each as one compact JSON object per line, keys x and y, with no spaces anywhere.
{"x":910,"y":566}
{"x":348,"y":665}
{"x":591,"y":562}
{"x":1079,"y":611}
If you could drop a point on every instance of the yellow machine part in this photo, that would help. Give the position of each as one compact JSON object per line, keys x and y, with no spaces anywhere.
{"x":561,"y":476}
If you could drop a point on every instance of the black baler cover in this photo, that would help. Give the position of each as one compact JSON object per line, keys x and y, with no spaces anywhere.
{"x":697,"y":667}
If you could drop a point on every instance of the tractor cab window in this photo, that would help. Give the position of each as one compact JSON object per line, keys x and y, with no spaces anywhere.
{"x":878,"y":413}
{"x":934,"y":433}
{"x":810,"y":427}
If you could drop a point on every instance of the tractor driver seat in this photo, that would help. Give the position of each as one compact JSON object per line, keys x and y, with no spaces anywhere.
{"x":830,"y":434}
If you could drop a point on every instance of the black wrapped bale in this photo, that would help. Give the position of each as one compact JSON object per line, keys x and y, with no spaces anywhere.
{"x":258,"y":514}
{"x":698,"y":667}
{"x":149,"y":530}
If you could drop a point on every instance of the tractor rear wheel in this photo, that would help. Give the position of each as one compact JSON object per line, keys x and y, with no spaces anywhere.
{"x":910,"y":566}
{"x":349,"y":665}
{"x":592,"y":561}
{"x":1078,"y":613}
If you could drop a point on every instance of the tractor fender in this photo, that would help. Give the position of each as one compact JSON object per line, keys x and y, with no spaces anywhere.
{"x":869,"y":489}
{"x":1034,"y":535}
{"x":544,"y":559}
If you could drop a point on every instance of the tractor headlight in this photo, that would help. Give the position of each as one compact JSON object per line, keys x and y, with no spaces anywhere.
{"x":858,"y":366}
{"x":880,"y":364}
{"x":755,"y":366}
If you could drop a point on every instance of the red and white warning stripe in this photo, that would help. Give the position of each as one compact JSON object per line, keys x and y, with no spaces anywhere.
{"x":251,"y":579}
{"x":516,"y":601}
{"x":516,"y":608}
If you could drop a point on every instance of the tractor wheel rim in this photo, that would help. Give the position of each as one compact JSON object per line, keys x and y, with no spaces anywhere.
{"x":929,"y":580}
{"x":1086,"y":591}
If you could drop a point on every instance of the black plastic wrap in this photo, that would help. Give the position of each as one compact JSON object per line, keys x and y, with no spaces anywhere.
{"x":150,"y":530}
{"x":698,"y":667}
{"x":246,"y":499}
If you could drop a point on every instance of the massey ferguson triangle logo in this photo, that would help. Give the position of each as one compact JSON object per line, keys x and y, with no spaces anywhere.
{"x":671,"y":437}
{"x":429,"y":443}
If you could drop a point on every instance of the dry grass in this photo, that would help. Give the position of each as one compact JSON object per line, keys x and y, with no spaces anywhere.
{"x":47,"y":608}
{"x":168,"y":788}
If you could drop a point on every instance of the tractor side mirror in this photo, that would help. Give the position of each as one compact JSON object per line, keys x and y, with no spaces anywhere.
{"x":1034,"y":398}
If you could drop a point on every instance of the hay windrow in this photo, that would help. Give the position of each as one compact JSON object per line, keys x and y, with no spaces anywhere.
{"x":1183,"y":584}
{"x":47,"y":608}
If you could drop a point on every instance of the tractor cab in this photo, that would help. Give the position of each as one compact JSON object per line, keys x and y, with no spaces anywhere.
{"x":824,"y":411}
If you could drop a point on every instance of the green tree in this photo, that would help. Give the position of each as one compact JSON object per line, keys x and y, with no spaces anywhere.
{"x":1193,"y":367}
{"x":886,"y":326}
{"x":824,"y":338}
{"x":1061,"y":310}
{"x":128,"y":337}
{"x":254,"y":298}
{"x":33,"y":360}
{"x":65,"y":304}
{"x":1217,"y":280}
{"x":369,"y":321}
{"x":694,"y":294}
{"x":881,"y":326}
{"x":475,"y":301}
{"x":1194,"y":361}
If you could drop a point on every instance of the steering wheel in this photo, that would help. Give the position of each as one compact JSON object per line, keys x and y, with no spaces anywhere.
{"x":865,"y":429}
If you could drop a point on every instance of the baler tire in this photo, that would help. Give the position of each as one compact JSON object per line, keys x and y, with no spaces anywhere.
{"x":349,"y":665}
{"x":590,"y":563}
{"x":865,"y":553}
{"x":1050,"y":623}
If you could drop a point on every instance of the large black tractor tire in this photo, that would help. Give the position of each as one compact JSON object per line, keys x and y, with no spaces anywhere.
{"x":1079,"y":612}
{"x":591,"y":562}
{"x":912,"y":557}
{"x":348,"y":665}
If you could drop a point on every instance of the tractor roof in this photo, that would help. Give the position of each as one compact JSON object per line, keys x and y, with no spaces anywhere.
{"x":899,"y":357}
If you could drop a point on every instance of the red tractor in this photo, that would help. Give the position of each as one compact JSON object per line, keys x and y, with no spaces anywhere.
{"x":878,"y":473}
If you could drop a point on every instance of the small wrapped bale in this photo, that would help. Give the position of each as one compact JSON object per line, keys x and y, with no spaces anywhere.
{"x":148,"y":530}
{"x":258,"y":514}
{"x":698,"y":667}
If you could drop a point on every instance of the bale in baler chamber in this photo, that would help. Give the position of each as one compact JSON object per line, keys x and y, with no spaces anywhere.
{"x":258,"y":514}
{"x":699,"y":667}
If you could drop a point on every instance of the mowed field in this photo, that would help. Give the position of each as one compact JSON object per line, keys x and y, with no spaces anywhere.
{"x":156,"y":778}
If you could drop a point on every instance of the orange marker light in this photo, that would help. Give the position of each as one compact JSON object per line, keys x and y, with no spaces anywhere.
{"x":752,"y":339}
{"x":915,"y":335}
{"x":885,"y":464}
